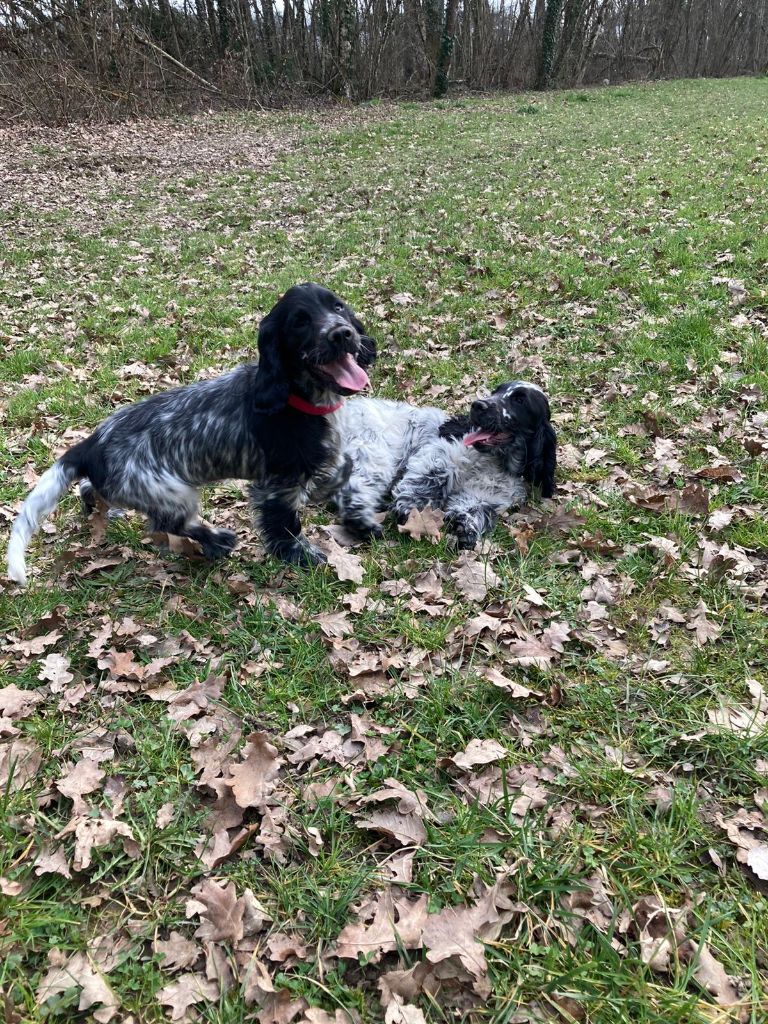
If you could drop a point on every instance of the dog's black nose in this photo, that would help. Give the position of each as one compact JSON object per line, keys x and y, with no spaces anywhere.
{"x":341,"y":333}
{"x":479,"y":407}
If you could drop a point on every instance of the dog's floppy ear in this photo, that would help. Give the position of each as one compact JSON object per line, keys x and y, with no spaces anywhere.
{"x":542,"y":459}
{"x":455,"y":427}
{"x":271,"y":383}
{"x":367,"y":355}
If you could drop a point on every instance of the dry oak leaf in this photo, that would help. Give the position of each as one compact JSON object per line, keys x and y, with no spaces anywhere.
{"x":220,"y":911}
{"x":372,"y":747}
{"x":165,"y":815}
{"x":591,"y":903}
{"x":334,"y":624}
{"x":347,"y":565}
{"x":85,"y":777}
{"x":449,"y":978}
{"x":459,"y":930}
{"x":669,"y":550}
{"x":187,"y":991}
{"x":479,"y":752}
{"x":195,"y":699}
{"x":396,"y":922}
{"x":19,"y":761}
{"x":719,"y":519}
{"x":403,"y":1013}
{"x":704,"y":628}
{"x":35,"y":645}
{"x":405,"y":829}
{"x":282,"y":946}
{"x":405,"y":825}
{"x":177,"y":545}
{"x":709,"y":973}
{"x":93,"y":833}
{"x":213,"y":850}
{"x":356,"y":601}
{"x":276,"y":1007}
{"x":121,"y":665}
{"x":252,"y":780}
{"x":473,"y":577}
{"x":78,"y":972}
{"x":55,"y":669}
{"x":409,"y":802}
{"x":483,"y":621}
{"x":17,"y":703}
{"x":53,"y":862}
{"x":177,"y":952}
{"x":659,"y":929}
{"x":661,"y":933}
{"x":315,"y":1015}
{"x":423,"y":523}
{"x":513,"y":688}
{"x":532,"y":651}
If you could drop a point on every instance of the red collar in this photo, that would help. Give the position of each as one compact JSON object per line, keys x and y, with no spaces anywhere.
{"x":312,"y":410}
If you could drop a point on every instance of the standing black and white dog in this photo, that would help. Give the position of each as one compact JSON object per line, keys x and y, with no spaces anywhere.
{"x":472,"y":467}
{"x":271,"y":423}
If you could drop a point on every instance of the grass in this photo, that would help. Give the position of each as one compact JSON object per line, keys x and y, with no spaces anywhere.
{"x":591,"y":227}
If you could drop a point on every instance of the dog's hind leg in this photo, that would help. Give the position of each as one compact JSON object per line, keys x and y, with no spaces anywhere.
{"x":175,"y":508}
{"x":90,"y":499}
{"x":428,"y":480}
{"x":215,"y":543}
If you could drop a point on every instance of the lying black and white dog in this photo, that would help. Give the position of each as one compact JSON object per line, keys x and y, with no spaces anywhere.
{"x":472,"y":467}
{"x":270,"y":423}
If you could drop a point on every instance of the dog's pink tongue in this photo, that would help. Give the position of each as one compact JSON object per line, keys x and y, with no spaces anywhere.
{"x":347,"y":373}
{"x":478,"y":435}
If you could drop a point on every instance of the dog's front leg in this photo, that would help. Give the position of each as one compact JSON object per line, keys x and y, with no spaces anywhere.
{"x":276,"y":509}
{"x":468,"y":519}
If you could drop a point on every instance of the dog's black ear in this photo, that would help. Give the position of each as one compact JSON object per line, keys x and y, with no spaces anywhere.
{"x":367,"y":355}
{"x":455,"y":427}
{"x":542,"y":460}
{"x":271,"y":384}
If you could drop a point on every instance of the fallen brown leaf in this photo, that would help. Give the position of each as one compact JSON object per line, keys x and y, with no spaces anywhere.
{"x":187,"y":991}
{"x":473,"y":576}
{"x":252,"y":780}
{"x":479,"y":752}
{"x":78,"y":972}
{"x":424,"y":523}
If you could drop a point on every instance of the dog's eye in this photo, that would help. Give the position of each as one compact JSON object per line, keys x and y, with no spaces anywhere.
{"x":339,"y":307}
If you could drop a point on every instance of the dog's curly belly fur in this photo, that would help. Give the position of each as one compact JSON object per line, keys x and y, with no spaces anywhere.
{"x":406,"y":458}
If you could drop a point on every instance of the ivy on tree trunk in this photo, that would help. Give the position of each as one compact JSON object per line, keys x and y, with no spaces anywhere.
{"x":549,"y":43}
{"x":445,"y":49}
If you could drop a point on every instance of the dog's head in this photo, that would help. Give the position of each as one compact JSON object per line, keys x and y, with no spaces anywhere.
{"x":312,"y":342}
{"x":515,"y":411}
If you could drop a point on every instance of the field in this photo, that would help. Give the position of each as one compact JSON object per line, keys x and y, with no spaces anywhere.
{"x":528,"y":784}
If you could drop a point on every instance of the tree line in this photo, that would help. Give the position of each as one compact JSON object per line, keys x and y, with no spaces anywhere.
{"x":66,"y":59}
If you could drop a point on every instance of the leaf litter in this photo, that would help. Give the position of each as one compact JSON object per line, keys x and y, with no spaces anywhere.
{"x":562,"y":601}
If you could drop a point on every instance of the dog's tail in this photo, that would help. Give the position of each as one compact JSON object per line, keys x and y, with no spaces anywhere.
{"x":40,"y":503}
